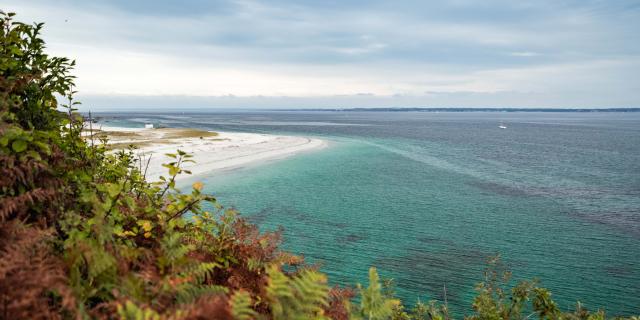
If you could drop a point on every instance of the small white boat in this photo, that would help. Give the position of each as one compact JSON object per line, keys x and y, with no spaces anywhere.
{"x":502,"y":126}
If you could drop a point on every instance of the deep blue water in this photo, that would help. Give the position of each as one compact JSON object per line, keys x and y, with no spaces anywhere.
{"x":428,"y":197}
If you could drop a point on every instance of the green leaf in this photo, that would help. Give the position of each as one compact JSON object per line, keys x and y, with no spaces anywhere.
{"x":16,"y":51}
{"x":43,"y":146}
{"x":19,"y":145}
{"x":113,"y":189}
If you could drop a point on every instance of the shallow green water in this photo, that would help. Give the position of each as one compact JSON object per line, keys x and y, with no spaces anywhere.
{"x":427,"y":198}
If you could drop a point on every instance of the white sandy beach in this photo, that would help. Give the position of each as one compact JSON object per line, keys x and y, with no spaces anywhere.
{"x":223,"y":151}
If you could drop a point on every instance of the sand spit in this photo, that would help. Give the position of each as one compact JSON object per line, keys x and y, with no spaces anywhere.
{"x":211,"y":151}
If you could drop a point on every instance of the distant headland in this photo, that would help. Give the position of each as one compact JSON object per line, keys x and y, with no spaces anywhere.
{"x":470,"y":109}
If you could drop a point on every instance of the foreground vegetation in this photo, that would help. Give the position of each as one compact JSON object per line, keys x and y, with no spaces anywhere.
{"x":84,"y":235}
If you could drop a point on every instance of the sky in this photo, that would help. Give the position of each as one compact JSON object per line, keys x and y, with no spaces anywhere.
{"x":141,"y":54}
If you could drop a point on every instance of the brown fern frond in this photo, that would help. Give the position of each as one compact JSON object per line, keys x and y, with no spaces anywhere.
{"x":338,"y":300}
{"x":18,"y":207}
{"x":29,"y":191}
{"x":212,"y":307}
{"x":33,"y":282}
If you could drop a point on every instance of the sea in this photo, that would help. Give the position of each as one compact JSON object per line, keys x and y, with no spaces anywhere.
{"x":428,"y":197}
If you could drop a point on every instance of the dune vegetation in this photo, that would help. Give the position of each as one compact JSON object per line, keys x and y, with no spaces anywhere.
{"x":117,"y":140}
{"x":84,"y":235}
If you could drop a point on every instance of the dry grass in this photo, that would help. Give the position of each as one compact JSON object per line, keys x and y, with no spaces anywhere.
{"x":116,"y":134}
{"x":124,"y":134}
{"x":123,"y":140}
{"x":187,"y":133}
{"x":126,"y":145}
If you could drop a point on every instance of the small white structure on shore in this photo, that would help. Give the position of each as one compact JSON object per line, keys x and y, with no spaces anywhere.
{"x":148,"y":125}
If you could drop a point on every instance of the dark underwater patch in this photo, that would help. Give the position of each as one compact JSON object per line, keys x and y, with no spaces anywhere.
{"x":260,"y":216}
{"x":429,"y":240}
{"x":428,"y":272}
{"x":627,"y":223}
{"x":500,"y":189}
{"x":619,"y":270}
{"x":350,"y":238}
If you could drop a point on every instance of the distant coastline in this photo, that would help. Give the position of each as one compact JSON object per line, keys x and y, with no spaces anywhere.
{"x":469,"y":109}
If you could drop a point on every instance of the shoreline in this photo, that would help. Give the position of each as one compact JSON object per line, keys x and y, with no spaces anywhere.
{"x":212,"y":151}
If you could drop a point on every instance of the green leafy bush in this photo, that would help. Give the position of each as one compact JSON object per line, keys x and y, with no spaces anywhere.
{"x":84,"y":235}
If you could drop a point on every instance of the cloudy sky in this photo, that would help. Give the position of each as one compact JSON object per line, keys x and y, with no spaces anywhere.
{"x":289,"y":54}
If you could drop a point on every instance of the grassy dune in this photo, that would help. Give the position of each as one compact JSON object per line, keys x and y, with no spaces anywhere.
{"x":187,"y":133}
{"x":124,"y":139}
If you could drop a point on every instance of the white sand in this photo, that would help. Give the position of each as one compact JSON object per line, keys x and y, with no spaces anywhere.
{"x":225,"y":151}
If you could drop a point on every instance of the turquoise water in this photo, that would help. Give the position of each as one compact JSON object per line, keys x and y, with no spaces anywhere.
{"x":427,"y":198}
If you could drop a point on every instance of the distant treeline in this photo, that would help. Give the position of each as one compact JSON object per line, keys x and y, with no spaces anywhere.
{"x":472,"y":109}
